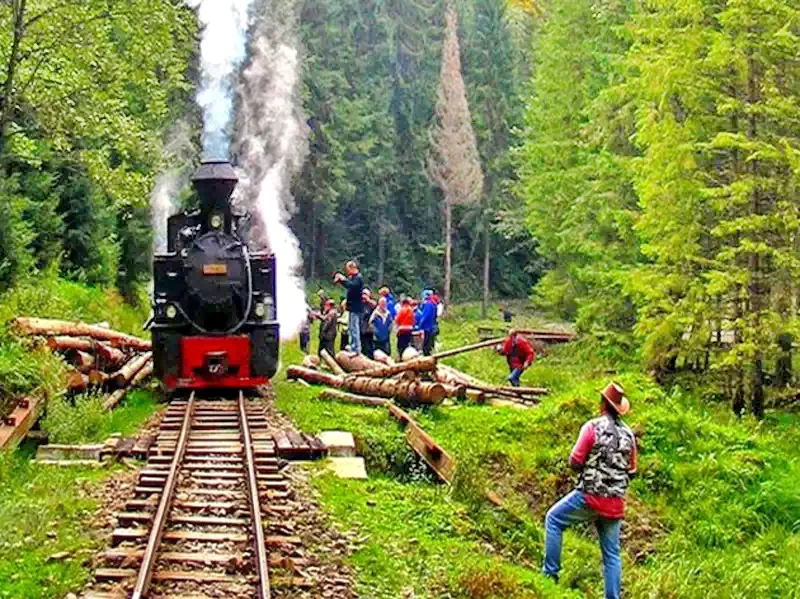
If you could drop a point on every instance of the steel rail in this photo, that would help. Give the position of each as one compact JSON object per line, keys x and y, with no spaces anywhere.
{"x":160,"y":520}
{"x":255,"y":504}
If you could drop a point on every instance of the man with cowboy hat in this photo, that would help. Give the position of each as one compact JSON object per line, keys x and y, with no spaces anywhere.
{"x":605,"y":456}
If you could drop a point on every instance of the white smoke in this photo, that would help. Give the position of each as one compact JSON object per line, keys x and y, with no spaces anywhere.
{"x":222,"y":50}
{"x":179,"y":150}
{"x":271,"y":142}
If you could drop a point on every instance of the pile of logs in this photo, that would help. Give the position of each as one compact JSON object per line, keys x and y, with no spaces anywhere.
{"x":101,"y":358}
{"x":416,"y":380}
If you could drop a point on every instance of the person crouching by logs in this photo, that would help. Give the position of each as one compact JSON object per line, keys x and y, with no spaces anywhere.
{"x":381,"y":323}
{"x":605,"y":456}
{"x":328,"y":328}
{"x":404,"y":325}
{"x":519,"y":354}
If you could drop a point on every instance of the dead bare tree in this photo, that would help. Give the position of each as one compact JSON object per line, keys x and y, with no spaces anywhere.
{"x":453,"y":161}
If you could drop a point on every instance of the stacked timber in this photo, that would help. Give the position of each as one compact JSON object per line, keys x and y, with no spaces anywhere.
{"x":417,"y":379}
{"x":100,"y":357}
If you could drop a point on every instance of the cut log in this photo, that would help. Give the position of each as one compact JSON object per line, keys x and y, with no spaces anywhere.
{"x":48,"y":327}
{"x":432,"y":393}
{"x":383,"y":358}
{"x":356,"y":363}
{"x":81,"y":360}
{"x":331,"y":362}
{"x":314,"y":376}
{"x":124,"y":375}
{"x":311,"y":362}
{"x":423,"y":364}
{"x":66,"y":343}
{"x":526,"y":390}
{"x":423,"y":444}
{"x":77,"y":382}
{"x":110,"y":356}
{"x":333,"y":394}
{"x":97,"y":378}
{"x":115,"y":398}
{"x":409,"y":354}
{"x":467,"y":348}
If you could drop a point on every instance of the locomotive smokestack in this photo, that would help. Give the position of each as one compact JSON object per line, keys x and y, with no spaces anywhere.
{"x":214,"y":182}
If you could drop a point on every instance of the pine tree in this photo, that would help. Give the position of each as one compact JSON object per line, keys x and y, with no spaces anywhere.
{"x":453,"y":161}
{"x":490,"y":74}
{"x":718,"y":182}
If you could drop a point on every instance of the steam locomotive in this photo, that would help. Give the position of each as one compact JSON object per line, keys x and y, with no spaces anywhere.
{"x":214,"y":320}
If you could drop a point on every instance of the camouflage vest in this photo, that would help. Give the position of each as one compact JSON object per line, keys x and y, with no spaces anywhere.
{"x":606,"y":471}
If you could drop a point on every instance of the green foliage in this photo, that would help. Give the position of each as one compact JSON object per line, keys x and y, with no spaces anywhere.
{"x":91,"y":89}
{"x":370,"y":79}
{"x":660,"y":167}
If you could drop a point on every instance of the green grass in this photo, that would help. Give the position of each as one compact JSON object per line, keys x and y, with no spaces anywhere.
{"x":43,"y":513}
{"x":714,"y":513}
{"x":85,"y":420}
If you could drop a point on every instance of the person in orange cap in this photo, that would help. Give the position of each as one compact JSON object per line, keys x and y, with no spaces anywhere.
{"x":605,"y":456}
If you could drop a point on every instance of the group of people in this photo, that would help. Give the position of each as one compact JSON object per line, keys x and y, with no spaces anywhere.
{"x":364,"y":323}
{"x":604,"y":454}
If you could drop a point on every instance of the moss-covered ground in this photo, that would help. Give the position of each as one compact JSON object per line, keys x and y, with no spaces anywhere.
{"x":715,"y":511}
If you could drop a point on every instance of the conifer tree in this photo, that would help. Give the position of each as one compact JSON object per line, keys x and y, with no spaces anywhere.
{"x":453,"y":161}
{"x":718,"y":182}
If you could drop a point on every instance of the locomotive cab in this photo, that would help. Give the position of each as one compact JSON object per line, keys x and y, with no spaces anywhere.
{"x":214,"y":311}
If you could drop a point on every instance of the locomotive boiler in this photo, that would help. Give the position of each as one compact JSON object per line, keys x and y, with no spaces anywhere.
{"x":214,"y":311}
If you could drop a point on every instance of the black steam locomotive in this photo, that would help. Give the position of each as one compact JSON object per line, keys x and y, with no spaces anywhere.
{"x":214,"y":311}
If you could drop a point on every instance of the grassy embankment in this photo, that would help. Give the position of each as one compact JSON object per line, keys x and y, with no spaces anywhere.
{"x":45,"y":538}
{"x":714,"y":513}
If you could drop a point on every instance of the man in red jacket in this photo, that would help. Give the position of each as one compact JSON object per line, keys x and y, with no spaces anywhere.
{"x":519,"y":354}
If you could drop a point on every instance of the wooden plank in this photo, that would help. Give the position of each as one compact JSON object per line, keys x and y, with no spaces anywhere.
{"x":424,"y":445}
{"x":297,"y":441}
{"x":282,"y":442}
{"x":20,"y":421}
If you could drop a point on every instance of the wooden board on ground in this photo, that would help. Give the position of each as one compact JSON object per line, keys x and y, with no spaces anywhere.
{"x":291,"y":445}
{"x":17,"y":424}
{"x":424,"y":445}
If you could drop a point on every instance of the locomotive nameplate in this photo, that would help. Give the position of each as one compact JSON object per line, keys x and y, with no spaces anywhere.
{"x":215,"y":269}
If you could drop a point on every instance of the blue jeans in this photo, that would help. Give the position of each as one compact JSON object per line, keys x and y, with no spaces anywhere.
{"x":514,"y":377}
{"x":570,"y":510}
{"x":354,"y":332}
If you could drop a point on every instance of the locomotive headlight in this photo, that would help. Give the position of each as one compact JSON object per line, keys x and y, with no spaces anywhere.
{"x":260,"y":310}
{"x":216,"y":221}
{"x":171,"y":311}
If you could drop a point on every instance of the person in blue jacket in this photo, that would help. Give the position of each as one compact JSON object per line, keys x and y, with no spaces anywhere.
{"x":426,"y":321}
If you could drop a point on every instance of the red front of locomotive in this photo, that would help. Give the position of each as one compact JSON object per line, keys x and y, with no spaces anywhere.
{"x":214,"y":315}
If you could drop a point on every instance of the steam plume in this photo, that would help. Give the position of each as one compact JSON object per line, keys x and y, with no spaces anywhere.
{"x":164,"y":197}
{"x":222,"y":50}
{"x":271,"y":142}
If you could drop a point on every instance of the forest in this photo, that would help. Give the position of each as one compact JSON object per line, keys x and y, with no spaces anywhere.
{"x":632,"y":165}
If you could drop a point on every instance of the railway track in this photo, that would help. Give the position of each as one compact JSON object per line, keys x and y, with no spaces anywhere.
{"x":203,"y":507}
